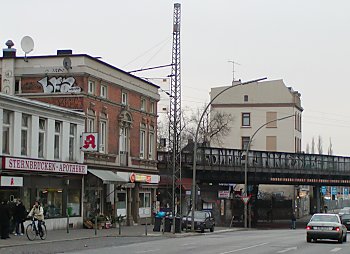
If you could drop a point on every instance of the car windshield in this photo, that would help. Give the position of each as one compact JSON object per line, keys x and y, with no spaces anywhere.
{"x":199,"y":215}
{"x":345,"y":217}
{"x":344,"y":210}
{"x":324,"y":218}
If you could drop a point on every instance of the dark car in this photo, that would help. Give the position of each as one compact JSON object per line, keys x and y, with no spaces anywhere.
{"x":345,"y":219}
{"x":325,"y":226}
{"x":202,"y":220}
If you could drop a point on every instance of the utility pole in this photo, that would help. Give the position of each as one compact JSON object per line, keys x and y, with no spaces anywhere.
{"x":175,"y":115}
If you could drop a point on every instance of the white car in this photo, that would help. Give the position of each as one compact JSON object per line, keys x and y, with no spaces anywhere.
{"x":325,"y":226}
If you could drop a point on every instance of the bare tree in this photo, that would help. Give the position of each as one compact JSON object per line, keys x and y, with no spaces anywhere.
{"x":213,"y":127}
{"x":330,"y":148}
{"x":319,"y":145}
{"x":313,"y":145}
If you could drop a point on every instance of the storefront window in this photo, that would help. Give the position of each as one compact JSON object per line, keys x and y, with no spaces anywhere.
{"x":74,"y":202}
{"x":26,"y":199}
{"x":145,"y":199}
{"x":51,"y":200}
{"x":121,"y":204}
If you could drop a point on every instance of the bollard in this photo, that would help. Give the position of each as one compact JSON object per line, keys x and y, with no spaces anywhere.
{"x":96,"y":225}
{"x":146,"y":227}
{"x":67,"y":222}
{"x":120,"y":224}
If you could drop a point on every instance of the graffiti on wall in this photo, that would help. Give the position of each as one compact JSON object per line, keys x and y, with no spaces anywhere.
{"x":59,"y":85}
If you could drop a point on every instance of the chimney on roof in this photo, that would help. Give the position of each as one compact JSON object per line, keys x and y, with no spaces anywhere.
{"x":62,"y":52}
{"x":9,"y":52}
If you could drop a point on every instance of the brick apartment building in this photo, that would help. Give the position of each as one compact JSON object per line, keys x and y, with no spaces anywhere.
{"x":121,"y":108}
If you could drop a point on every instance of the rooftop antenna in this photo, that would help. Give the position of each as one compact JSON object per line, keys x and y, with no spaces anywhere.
{"x":233,"y":69}
{"x":27,"y":45}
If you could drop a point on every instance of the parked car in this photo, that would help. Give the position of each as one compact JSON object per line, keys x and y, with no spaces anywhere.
{"x":202,"y":220}
{"x":345,"y":219}
{"x":325,"y":226}
{"x":345,"y":210}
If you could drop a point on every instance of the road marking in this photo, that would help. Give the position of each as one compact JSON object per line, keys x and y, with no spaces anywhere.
{"x":336,"y":249}
{"x":288,"y":249}
{"x":186,"y":244}
{"x":146,"y":251}
{"x":246,"y":248}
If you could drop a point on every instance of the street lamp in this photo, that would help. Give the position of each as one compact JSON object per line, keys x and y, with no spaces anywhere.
{"x":193,"y":194}
{"x":246,"y":166}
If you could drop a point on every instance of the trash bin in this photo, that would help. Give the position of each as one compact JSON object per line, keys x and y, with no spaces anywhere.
{"x":178,"y":225}
{"x":157,"y":224}
{"x":167,"y":224}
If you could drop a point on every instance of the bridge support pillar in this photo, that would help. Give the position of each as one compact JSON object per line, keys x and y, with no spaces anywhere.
{"x":318,"y":198}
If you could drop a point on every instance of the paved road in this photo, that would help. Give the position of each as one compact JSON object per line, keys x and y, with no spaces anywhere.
{"x":239,"y":242}
{"x":242,"y":242}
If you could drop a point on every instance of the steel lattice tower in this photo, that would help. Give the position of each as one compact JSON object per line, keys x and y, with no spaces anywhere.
{"x":175,"y":114}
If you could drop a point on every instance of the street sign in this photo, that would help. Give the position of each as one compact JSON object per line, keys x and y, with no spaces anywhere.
{"x":245,"y":199}
{"x":224,"y":194}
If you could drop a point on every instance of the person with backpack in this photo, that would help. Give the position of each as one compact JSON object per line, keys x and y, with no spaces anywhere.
{"x":37,"y":213}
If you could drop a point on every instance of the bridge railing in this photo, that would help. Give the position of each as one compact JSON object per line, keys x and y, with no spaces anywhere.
{"x":208,"y":156}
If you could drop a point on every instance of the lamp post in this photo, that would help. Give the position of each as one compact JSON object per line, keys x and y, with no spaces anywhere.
{"x":246,"y":166}
{"x":193,"y":192}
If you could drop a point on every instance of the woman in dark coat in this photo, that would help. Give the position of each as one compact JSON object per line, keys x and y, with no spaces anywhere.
{"x":4,"y":220}
{"x":19,"y":215}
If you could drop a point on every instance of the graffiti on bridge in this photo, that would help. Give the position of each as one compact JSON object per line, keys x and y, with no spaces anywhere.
{"x":262,"y":159}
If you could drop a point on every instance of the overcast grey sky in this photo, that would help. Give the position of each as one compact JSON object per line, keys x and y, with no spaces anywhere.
{"x":305,"y":43}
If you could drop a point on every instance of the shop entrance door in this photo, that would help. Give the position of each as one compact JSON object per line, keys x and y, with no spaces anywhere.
{"x":9,"y":193}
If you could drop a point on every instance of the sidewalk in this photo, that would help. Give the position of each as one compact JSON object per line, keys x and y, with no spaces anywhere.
{"x":80,"y":234}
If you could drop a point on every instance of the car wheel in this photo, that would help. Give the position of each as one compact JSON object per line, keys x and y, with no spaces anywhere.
{"x":340,"y":240}
{"x":212,"y":229}
{"x":308,"y":239}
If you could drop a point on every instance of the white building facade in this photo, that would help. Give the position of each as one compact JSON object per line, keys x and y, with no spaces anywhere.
{"x":254,"y":105}
{"x":41,"y":158}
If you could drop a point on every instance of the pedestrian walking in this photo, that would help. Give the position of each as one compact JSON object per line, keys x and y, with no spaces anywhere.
{"x":294,"y":219}
{"x":19,"y":216}
{"x":4,"y":220}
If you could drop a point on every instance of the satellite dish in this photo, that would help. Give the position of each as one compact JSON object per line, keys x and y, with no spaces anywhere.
{"x":27,"y":45}
{"x":67,"y":63}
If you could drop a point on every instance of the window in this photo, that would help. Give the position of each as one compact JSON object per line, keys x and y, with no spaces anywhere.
{"x":271,"y":119}
{"x":245,"y":119}
{"x":72,"y":133}
{"x":90,"y":126}
{"x":6,"y":132}
{"x":102,"y":137}
{"x":24,"y":135}
{"x":142,"y":141}
{"x":91,"y":87}
{"x":152,"y":107}
{"x":151,"y":143}
{"x":245,"y":142}
{"x":143,"y":104}
{"x":145,"y":199}
{"x":271,"y":143}
{"x":123,"y":145}
{"x":103,"y":92}
{"x":57,"y":140}
{"x":245,"y":98}
{"x":124,"y":98}
{"x":42,"y":138}
{"x":74,"y":202}
{"x":51,"y":200}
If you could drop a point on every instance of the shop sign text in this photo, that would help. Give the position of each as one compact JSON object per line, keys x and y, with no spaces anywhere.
{"x":44,"y":166}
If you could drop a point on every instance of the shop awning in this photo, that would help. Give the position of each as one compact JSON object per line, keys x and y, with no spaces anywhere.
{"x":108,"y":176}
{"x":186,"y":183}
